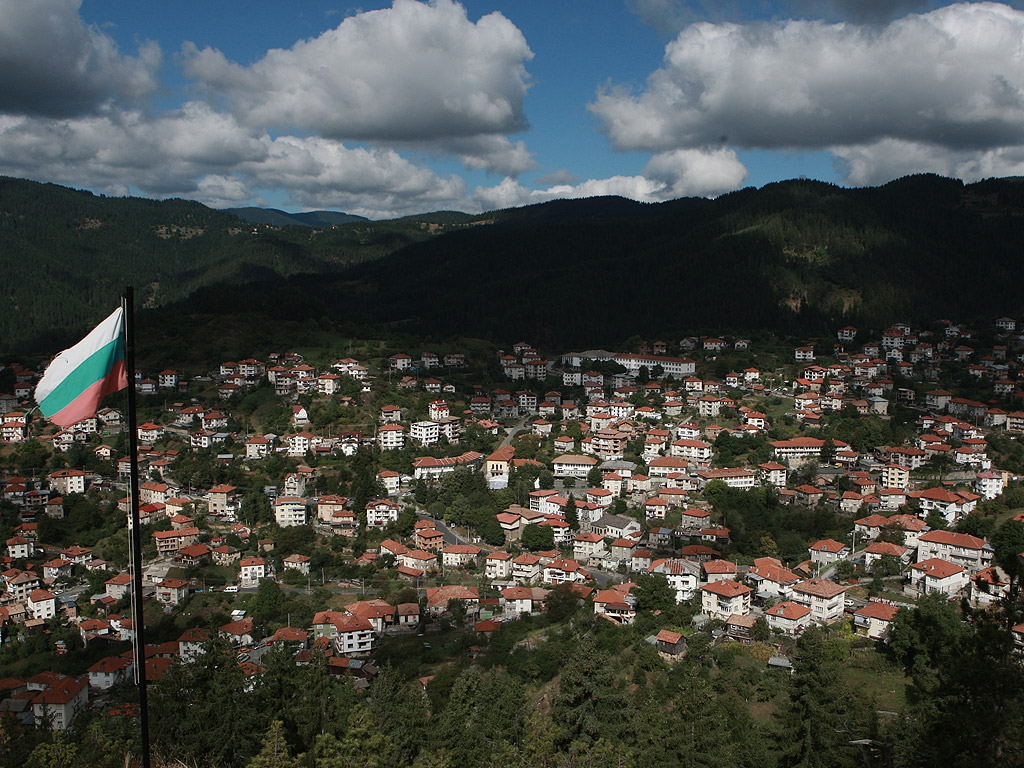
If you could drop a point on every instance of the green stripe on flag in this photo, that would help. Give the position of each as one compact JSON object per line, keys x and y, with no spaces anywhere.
{"x":94,"y":368}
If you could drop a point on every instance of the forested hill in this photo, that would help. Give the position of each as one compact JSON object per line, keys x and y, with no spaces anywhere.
{"x":66,"y":255}
{"x":285,"y":219}
{"x":798,"y":256}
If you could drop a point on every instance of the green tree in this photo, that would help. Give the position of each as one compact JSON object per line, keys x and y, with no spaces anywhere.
{"x":974,"y":717}
{"x":399,"y":713}
{"x":492,"y":532}
{"x":202,"y":712}
{"x":363,"y":745}
{"x":481,"y":711}
{"x":537,"y":537}
{"x":265,"y":605}
{"x":60,"y":752}
{"x":818,"y":709}
{"x":589,"y":703}
{"x":977,"y":524}
{"x":887,"y":565}
{"x":1008,"y":543}
{"x":457,"y":610}
{"x":595,"y":477}
{"x":653,"y":593}
{"x":274,"y":752}
{"x":571,"y":515}
{"x":760,"y":632}
{"x":561,"y":603}
{"x":255,"y":508}
{"x":892,"y":533}
{"x":927,"y":636}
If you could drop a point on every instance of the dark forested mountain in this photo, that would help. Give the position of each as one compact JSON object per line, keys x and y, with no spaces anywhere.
{"x":65,"y":255}
{"x":284,"y":219}
{"x":802,"y":256}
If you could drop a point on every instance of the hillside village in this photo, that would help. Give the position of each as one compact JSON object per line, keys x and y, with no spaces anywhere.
{"x":766,"y":486}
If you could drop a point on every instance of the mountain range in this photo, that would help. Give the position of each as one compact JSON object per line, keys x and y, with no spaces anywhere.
{"x":284,"y":219}
{"x":799,"y":256}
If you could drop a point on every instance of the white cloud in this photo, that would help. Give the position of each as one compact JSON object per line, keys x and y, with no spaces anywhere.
{"x":409,"y":73}
{"x":491,"y":153}
{"x":51,"y":64}
{"x":882,"y":161}
{"x":200,"y":154}
{"x":219,"y":191}
{"x":951,"y":78}
{"x":695,"y":172}
{"x":669,"y":17}
{"x":680,"y":173}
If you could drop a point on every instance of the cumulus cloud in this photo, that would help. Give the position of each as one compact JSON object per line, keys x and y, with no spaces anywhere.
{"x":669,"y":17}
{"x":510,"y":193}
{"x":198,"y":153}
{"x":882,"y":161}
{"x":680,"y":173}
{"x":951,"y":78}
{"x":497,"y":154}
{"x":53,"y":65}
{"x":409,"y":73}
{"x":696,"y":172}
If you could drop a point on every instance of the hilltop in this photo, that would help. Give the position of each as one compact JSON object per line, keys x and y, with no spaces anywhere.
{"x":794,"y":257}
{"x":284,"y":219}
{"x":65,"y":254}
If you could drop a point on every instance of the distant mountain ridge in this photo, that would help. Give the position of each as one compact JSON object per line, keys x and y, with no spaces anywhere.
{"x":797,"y":256}
{"x":801,"y":257}
{"x":66,"y":254}
{"x":280,"y":218}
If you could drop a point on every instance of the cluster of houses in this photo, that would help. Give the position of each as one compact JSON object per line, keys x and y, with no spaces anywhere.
{"x":655,"y":410}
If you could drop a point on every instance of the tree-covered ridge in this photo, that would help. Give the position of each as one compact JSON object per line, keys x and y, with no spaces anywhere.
{"x":284,"y":219}
{"x":797,"y":256}
{"x":65,"y":255}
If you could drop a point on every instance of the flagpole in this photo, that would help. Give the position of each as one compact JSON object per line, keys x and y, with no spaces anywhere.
{"x":128,"y":305}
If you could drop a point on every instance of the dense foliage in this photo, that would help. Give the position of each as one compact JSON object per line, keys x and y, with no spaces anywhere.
{"x":67,"y":254}
{"x":799,"y":255}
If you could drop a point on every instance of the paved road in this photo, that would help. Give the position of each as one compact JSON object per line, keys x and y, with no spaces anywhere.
{"x":449,"y":534}
{"x":511,"y":431}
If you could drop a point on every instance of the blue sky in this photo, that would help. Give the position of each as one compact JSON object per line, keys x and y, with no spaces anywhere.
{"x":387,"y":109}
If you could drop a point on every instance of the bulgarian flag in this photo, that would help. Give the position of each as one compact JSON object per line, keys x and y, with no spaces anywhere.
{"x":79,"y":378}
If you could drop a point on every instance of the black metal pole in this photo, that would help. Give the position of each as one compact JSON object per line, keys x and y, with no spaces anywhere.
{"x":128,"y":305}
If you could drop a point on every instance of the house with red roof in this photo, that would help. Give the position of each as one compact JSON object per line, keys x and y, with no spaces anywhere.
{"x":969,"y":552}
{"x":771,"y":579}
{"x":60,"y":701}
{"x":789,"y":617}
{"x":671,"y":645}
{"x":721,"y":599}
{"x":874,"y":620}
{"x":171,"y":591}
{"x":616,"y":605}
{"x":824,"y":598}
{"x":935,"y":575}
{"x":439,"y":597}
{"x":109,"y":671}
{"x":498,"y":566}
{"x":827,"y":551}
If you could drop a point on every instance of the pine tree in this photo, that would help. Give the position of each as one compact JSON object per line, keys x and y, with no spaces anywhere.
{"x":275,"y":752}
{"x":571,"y":515}
{"x":818,"y":707}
